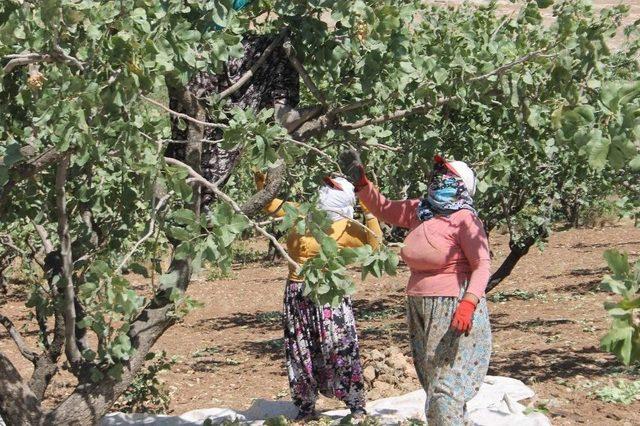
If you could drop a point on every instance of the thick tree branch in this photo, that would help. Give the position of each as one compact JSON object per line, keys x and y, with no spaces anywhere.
{"x":275,"y":178}
{"x":247,"y":76}
{"x":17,"y":338}
{"x":291,"y":54}
{"x":18,"y":404}
{"x":224,"y":197}
{"x":518,"y":251}
{"x":195,"y":133}
{"x":71,"y":347}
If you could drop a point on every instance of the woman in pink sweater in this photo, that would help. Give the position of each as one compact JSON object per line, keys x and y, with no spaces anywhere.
{"x":448,"y":254}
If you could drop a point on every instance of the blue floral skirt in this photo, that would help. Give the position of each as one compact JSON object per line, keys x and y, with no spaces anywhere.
{"x":450,"y":367}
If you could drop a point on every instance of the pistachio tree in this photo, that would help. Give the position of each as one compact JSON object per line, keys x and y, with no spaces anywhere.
{"x":129,"y":135}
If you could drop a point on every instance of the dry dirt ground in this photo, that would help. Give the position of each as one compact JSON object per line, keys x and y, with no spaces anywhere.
{"x":547,"y":321}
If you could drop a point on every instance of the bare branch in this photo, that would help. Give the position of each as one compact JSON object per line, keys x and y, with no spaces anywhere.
{"x":504,"y":22}
{"x":58,"y":55}
{"x":246,"y":76}
{"x":26,"y":59}
{"x":184,"y":116}
{"x":71,"y":347}
{"x":351,"y":107}
{"x":503,"y":68}
{"x":312,"y":148}
{"x":44,"y":236}
{"x":7,"y":241}
{"x":395,"y":115}
{"x":17,"y":338}
{"x":145,"y":237}
{"x":271,"y":221}
{"x":291,"y":54}
{"x":224,"y":197}
{"x":382,"y":146}
{"x":362,"y":225}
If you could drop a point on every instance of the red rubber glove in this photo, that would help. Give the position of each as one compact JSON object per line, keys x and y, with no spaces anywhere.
{"x":463,"y":317}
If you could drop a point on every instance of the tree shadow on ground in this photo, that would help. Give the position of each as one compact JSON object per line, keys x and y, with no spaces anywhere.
{"x":259,"y":321}
{"x":271,"y":348}
{"x":550,"y":364}
{"x":581,"y":245}
{"x":379,"y":309}
{"x":581,"y":288}
{"x":529,"y":325}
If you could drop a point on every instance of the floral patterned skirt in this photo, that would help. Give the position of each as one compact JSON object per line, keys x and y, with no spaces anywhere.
{"x":322,"y":351}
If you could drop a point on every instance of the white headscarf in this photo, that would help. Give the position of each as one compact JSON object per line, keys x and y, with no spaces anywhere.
{"x":337,"y":203}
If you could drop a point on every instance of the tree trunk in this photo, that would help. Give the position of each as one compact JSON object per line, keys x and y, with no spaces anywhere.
{"x":91,"y":401}
{"x":518,"y":251}
{"x":18,"y":404}
{"x":275,"y":81}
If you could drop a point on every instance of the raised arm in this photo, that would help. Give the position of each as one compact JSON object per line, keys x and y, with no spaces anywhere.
{"x":398,"y":213}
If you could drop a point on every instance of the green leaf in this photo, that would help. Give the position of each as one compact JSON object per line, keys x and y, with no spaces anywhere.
{"x":184,"y":216}
{"x":12,"y":155}
{"x":618,"y":262}
{"x":169,"y":279}
{"x":115,"y":372}
{"x":598,"y":149}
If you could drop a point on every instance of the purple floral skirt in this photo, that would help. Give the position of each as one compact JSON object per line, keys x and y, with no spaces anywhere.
{"x":322,"y":351}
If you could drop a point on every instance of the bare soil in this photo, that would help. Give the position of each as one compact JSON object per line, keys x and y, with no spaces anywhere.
{"x":547,"y":321}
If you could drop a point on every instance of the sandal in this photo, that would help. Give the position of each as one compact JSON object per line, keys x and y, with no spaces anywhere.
{"x":358,"y":414}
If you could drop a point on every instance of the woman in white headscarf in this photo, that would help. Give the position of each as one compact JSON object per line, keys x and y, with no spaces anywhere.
{"x":321,"y":342}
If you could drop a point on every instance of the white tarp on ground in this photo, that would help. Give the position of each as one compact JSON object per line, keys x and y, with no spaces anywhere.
{"x":495,"y":405}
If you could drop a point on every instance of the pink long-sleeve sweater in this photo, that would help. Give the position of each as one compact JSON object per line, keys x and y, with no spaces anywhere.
{"x":442,"y":253}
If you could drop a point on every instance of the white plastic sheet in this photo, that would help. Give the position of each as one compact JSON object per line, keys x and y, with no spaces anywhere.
{"x":495,"y":405}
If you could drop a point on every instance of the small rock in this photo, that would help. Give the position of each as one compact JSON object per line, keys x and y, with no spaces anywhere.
{"x":392,"y":351}
{"x":376,"y":355}
{"x":369,"y":374}
{"x":397,"y":361}
{"x":382,"y":386}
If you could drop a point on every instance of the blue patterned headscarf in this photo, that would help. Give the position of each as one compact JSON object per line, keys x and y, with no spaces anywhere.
{"x":447,"y":194}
